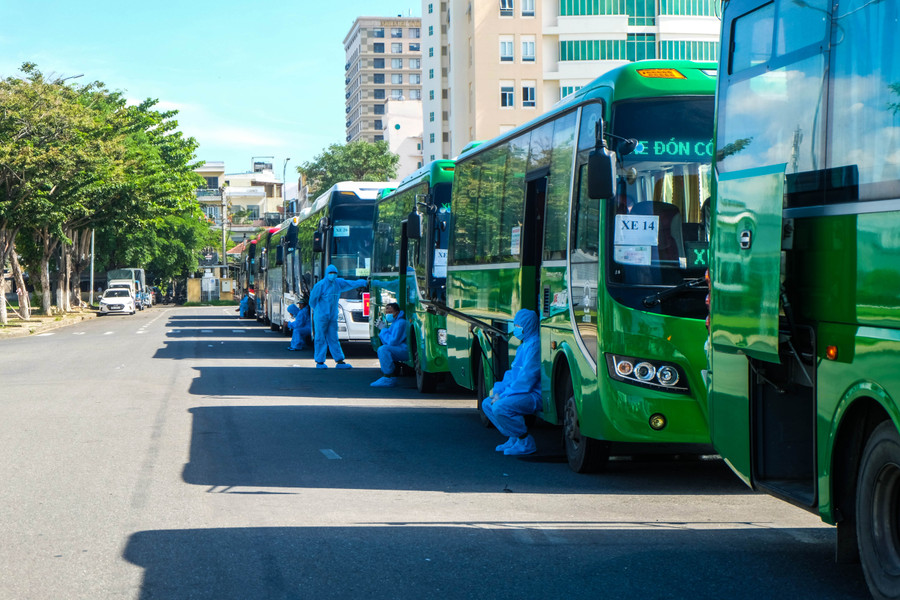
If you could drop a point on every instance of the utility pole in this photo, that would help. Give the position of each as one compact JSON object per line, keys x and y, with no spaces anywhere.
{"x":224,"y":273}
{"x":284,"y":187}
{"x":91,"y":296}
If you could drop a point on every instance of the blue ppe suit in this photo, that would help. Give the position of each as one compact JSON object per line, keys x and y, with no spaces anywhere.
{"x":301,"y":326}
{"x":324,"y":302}
{"x":393,"y":344}
{"x":245,"y":303}
{"x":519,"y":392}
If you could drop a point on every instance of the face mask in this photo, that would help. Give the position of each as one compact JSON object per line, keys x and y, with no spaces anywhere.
{"x":332,"y":276}
{"x":518,"y":332}
{"x":388,"y":318}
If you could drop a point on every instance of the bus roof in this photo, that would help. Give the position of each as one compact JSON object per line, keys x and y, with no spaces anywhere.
{"x":641,"y":79}
{"x":364,"y":190}
{"x":437,"y":171}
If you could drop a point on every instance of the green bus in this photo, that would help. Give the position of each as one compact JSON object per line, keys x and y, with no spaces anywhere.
{"x":804,"y":328}
{"x":616,"y":281}
{"x":411,"y":228}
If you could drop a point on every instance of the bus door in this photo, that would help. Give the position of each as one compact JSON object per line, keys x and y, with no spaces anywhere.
{"x":532,"y":238}
{"x":746,"y":279}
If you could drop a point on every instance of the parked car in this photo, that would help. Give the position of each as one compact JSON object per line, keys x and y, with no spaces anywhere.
{"x":145,"y":300}
{"x":117,"y":300}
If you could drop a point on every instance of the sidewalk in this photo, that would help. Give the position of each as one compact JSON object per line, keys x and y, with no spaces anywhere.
{"x":40,"y":323}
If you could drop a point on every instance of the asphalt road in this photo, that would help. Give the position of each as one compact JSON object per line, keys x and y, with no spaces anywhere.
{"x":183,"y":453}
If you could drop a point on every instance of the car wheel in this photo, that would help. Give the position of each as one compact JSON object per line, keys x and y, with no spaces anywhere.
{"x":878,"y":512}
{"x":426,"y":382}
{"x":585,"y":455}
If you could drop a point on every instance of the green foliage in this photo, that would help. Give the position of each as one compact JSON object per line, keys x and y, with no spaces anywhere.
{"x":356,"y":161}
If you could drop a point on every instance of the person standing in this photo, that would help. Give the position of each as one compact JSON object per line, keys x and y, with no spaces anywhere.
{"x":324,"y":302}
{"x":519,"y":392}
{"x":393,"y":346}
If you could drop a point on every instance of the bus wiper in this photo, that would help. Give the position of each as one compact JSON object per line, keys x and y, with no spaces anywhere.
{"x":688,"y":284}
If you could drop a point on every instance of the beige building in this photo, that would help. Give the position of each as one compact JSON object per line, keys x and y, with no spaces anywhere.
{"x":496,"y":65}
{"x":383,"y":62}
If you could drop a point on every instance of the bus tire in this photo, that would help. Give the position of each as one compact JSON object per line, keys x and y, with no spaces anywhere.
{"x":878,"y":512}
{"x":585,"y":455}
{"x":426,"y":382}
{"x":481,"y":392}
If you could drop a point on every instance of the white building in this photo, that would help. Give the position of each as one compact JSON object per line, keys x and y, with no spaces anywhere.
{"x":403,"y":133}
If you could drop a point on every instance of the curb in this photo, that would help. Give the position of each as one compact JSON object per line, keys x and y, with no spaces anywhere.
{"x":35,"y":328}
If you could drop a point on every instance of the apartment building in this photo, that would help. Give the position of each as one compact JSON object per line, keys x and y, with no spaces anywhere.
{"x":492,"y":66}
{"x":383,"y":62}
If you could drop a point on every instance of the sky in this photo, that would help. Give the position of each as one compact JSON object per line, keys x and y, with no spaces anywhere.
{"x":249,"y":79}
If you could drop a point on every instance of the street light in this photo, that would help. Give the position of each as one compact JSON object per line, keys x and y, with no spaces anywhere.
{"x":284,"y":186}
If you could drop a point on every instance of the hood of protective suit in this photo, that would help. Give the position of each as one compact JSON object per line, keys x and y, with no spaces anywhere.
{"x":293,"y":309}
{"x":528,"y":321}
{"x":330,"y":269}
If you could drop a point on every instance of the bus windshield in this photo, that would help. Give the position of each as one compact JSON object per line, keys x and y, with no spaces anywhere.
{"x":658,"y":232}
{"x":351,"y":240}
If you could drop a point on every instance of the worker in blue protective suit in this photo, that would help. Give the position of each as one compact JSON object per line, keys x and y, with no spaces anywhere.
{"x":300,"y":325}
{"x":519,"y":392}
{"x":242,"y":308}
{"x":324,"y":302}
{"x":393,"y":344}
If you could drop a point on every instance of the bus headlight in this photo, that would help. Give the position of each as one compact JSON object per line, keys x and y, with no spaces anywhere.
{"x":341,"y":316}
{"x":653,"y":374}
{"x":442,"y":337}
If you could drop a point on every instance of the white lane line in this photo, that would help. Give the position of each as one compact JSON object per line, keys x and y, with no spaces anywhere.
{"x":330,"y":454}
{"x":77,"y":333}
{"x":43,"y":334}
{"x":206,"y":331}
{"x":238,"y":331}
{"x":210,"y":345}
{"x":108,"y":333}
{"x":141,"y":331}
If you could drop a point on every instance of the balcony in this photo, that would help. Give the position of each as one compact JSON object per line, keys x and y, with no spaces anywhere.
{"x":209,"y":196}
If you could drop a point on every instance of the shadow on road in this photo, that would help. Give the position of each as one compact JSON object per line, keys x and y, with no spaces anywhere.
{"x":408,"y":448}
{"x":493,"y":560}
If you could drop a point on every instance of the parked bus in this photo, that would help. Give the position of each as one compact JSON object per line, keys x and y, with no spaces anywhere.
{"x":246,"y":275}
{"x":282,"y":273}
{"x":804,"y":335}
{"x":411,"y":234}
{"x":337,"y":229}
{"x":617,"y":282}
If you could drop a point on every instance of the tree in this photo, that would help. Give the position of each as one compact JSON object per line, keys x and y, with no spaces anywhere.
{"x":356,"y":161}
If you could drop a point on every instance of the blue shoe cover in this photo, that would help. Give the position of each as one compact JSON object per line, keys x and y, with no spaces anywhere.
{"x":343,"y":365}
{"x":383,"y":382}
{"x":522,"y":447}
{"x":507,"y":444}
{"x":321,"y":366}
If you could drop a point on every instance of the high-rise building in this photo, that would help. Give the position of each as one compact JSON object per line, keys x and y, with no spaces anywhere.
{"x":383,"y":62}
{"x":492,"y":66}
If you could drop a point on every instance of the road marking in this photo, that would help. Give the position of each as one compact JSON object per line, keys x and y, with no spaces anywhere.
{"x":141,"y":331}
{"x":206,"y":331}
{"x":330,"y":454}
{"x":43,"y":334}
{"x":238,"y":330}
{"x":77,"y":333}
{"x":108,"y":333}
{"x":210,"y":345}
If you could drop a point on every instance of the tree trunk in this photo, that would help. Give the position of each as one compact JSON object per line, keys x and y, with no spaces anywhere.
{"x":21,"y":288}
{"x":6,"y":243}
{"x":80,"y":260}
{"x":47,"y":245}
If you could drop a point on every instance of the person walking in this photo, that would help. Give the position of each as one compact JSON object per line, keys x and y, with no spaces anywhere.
{"x":519,"y":392}
{"x":324,"y":302}
{"x":393,"y":346}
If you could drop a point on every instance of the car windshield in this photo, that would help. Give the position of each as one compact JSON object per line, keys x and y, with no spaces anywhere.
{"x":116,"y":293}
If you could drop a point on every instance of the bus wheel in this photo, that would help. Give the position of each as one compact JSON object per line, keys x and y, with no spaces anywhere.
{"x":585,"y":455}
{"x":482,"y":392}
{"x":425,"y":382}
{"x":878,"y":512}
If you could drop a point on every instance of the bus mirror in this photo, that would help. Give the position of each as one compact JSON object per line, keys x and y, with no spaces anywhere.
{"x":601,"y":175}
{"x":279,"y":255}
{"x":414,"y":226}
{"x":318,"y":241}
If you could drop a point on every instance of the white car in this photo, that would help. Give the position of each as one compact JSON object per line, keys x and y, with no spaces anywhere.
{"x":117,"y":300}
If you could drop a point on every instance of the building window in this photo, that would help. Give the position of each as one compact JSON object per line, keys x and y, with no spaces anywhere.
{"x":415,"y":47}
{"x":378,"y":63}
{"x":379,"y":109}
{"x":430,"y":52}
{"x":692,"y":8}
{"x":506,"y":49}
{"x":379,"y":138}
{"x":396,"y":48}
{"x":506,"y":8}
{"x":415,"y":79}
{"x":431,"y":94}
{"x":419,"y":164}
{"x":507,"y":95}
{"x":641,"y":13}
{"x":431,"y":138}
{"x":378,"y":78}
{"x":378,"y":47}
{"x":378,"y":125}
{"x":396,"y":32}
{"x":378,"y":32}
{"x":430,"y":73}
{"x":431,"y":117}
{"x":431,"y":30}
{"x":415,"y":63}
{"x":212,"y":183}
{"x":432,"y":157}
{"x":637,"y":46}
{"x":415,"y":94}
{"x":379,"y":94}
{"x":430,"y":8}
{"x":689,"y":50}
{"x":527,"y":8}
{"x":527,"y":49}
{"x":565,"y":90}
{"x":396,"y":63}
{"x":396,"y":94}
{"x":397,"y":79}
{"x":415,"y":32}
{"x":528,"y":94}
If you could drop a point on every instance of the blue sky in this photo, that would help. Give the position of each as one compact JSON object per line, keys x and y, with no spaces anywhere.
{"x":248,"y":78}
